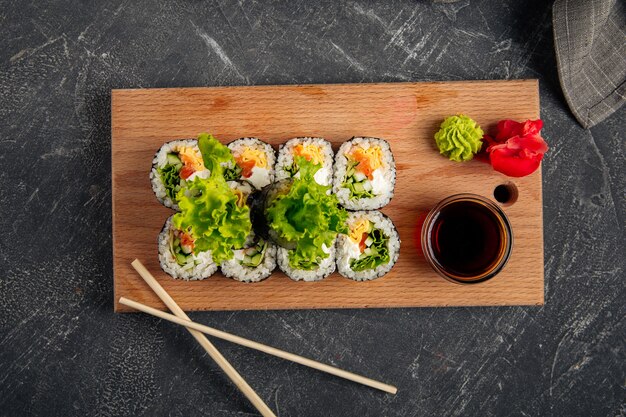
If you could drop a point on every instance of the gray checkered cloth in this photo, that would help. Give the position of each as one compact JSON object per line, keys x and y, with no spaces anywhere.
{"x":590,"y":43}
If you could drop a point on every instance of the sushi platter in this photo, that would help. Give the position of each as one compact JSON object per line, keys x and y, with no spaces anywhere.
{"x":154,"y":130}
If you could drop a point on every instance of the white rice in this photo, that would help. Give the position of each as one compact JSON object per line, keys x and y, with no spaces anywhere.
{"x":234,"y":269}
{"x":346,"y":251}
{"x":384,"y":177}
{"x":260,"y":176}
{"x":160,"y":160}
{"x":198,"y":266}
{"x":326,"y":267}
{"x":323,"y":176}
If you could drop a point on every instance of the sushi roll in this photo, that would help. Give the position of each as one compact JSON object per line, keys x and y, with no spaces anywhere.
{"x":311,"y":264}
{"x":370,"y":249}
{"x":174,"y":164}
{"x":256,"y":260}
{"x":255,"y":161}
{"x":365,"y":174}
{"x":324,"y":267}
{"x":316,"y":150}
{"x":177,"y":258}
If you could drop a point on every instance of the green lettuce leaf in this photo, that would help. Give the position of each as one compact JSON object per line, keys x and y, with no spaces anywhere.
{"x":232,"y":174}
{"x":379,"y":255}
{"x":170,"y":177}
{"x":208,"y":207}
{"x":215,"y":155}
{"x":210,"y":213}
{"x":295,"y":167}
{"x":307,"y":217}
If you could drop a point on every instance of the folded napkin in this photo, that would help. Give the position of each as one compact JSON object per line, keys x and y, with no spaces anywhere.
{"x":590,"y":43}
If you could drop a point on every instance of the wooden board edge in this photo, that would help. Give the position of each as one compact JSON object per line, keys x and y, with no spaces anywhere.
{"x":270,"y":86}
{"x":540,"y":186}
{"x":116,"y":304}
{"x":122,"y":309}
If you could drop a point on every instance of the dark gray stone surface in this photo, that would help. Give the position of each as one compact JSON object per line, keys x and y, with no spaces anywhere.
{"x":64,"y":352}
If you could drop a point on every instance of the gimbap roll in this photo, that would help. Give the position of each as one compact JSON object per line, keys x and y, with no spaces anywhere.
{"x":318,"y":270}
{"x":365,"y":174}
{"x":174,"y":164}
{"x":303,"y":219}
{"x":370,"y":249}
{"x":256,"y":260}
{"x":177,"y":258}
{"x":316,"y":150}
{"x":254,"y":162}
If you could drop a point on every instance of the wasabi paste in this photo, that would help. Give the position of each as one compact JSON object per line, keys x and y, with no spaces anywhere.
{"x":459,"y":138}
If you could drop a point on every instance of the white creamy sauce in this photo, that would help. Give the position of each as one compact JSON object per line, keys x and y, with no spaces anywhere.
{"x":352,"y":251}
{"x":325,"y":248}
{"x":205,"y":173}
{"x":321,"y":176}
{"x":259,"y":178}
{"x":379,"y":183}
{"x":238,"y":254}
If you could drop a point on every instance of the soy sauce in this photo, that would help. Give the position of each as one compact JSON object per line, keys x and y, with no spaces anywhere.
{"x":468,"y":239}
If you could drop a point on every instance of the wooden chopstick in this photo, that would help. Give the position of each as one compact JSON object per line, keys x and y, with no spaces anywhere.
{"x":185,"y":321}
{"x":259,"y":346}
{"x":204,"y":342}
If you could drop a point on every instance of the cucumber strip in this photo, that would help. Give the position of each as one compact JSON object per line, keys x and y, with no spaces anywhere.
{"x":173,"y":159}
{"x":358,"y":187}
{"x":181,"y":259}
{"x":254,"y":255}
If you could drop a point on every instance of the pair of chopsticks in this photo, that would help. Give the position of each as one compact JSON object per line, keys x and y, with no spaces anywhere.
{"x":198,"y":330}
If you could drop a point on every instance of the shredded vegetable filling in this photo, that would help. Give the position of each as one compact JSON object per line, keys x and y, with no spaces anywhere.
{"x":312,"y":153}
{"x":373,"y":246}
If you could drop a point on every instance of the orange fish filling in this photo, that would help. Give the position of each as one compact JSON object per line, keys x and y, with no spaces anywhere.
{"x":186,"y":240}
{"x":246,"y":166}
{"x":369,"y":159}
{"x":249,"y":158}
{"x":192,"y":162}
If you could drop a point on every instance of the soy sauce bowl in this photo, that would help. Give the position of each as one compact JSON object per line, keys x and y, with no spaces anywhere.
{"x":467,"y":239}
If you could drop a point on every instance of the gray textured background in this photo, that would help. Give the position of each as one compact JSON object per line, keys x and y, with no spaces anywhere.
{"x":62,"y":350}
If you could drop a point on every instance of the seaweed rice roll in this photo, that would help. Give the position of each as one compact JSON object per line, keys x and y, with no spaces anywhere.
{"x":177,"y":257}
{"x":370,"y":249}
{"x":365,"y":174}
{"x":256,"y":260}
{"x":254,"y":162}
{"x":303,"y":220}
{"x":174,"y":164}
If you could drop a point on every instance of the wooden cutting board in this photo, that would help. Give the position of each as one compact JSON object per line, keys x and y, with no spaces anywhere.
{"x":406,"y":114}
